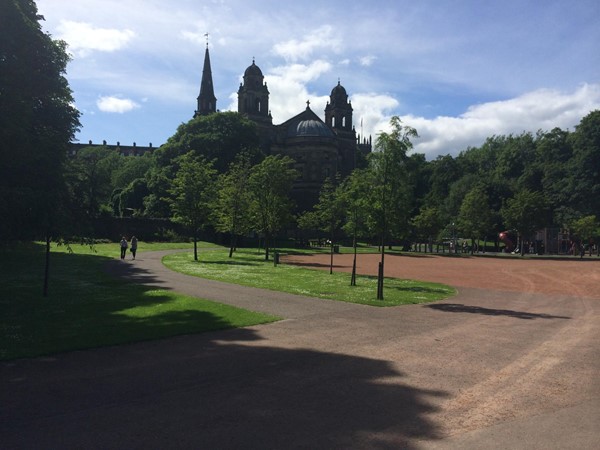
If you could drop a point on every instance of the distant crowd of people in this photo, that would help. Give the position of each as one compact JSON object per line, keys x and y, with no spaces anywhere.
{"x":132,"y":246}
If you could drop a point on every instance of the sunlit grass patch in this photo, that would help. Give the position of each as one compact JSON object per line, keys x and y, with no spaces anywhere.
{"x":248,"y":267}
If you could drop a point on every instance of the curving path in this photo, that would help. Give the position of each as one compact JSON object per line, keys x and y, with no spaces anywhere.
{"x":510,"y":365}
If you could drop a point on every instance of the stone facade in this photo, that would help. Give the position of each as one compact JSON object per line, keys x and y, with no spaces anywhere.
{"x":319,"y":148}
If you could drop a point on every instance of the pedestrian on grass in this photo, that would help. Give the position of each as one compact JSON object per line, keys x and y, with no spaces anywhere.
{"x":133,"y":246}
{"x":123,"y":247}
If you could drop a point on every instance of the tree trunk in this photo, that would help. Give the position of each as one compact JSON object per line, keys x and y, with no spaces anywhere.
{"x":331,"y":241}
{"x":195,"y":247}
{"x":267,"y":241}
{"x":331,"y":258}
{"x":381,"y":267}
{"x":353,"y":278}
{"x":47,"y":268}
{"x":522,"y":247}
{"x":232,"y":244}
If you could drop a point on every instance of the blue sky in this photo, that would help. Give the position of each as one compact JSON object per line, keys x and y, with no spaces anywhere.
{"x":457,"y":71}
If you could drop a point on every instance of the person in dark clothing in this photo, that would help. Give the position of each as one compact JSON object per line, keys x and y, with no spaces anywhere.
{"x":123,"y":247}
{"x":133,"y":246}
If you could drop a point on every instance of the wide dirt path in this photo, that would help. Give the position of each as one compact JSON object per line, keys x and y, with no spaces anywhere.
{"x":512,"y":361}
{"x":576,"y":277}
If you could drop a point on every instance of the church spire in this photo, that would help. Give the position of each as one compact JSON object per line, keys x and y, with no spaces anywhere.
{"x":207,"y":102}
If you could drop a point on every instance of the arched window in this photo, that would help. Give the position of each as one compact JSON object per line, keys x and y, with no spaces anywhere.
{"x":258,"y":105}
{"x":344,"y":122}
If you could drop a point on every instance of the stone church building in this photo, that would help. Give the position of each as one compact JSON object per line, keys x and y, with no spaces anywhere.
{"x":319,"y":148}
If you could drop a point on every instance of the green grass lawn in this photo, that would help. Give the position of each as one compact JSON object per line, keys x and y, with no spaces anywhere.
{"x":247,"y":267}
{"x":87,"y":308}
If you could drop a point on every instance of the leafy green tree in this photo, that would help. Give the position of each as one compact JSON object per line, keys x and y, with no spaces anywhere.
{"x":585,"y":165}
{"x":356,"y":190}
{"x":38,"y":120}
{"x":554,"y":151}
{"x":158,"y":180}
{"x":192,"y":193}
{"x":232,"y":205}
{"x":445,"y":170}
{"x":516,"y":154}
{"x":419,"y":179}
{"x":90,"y":175}
{"x":131,"y":198}
{"x":327,"y":214}
{"x":216,"y":137}
{"x":451,"y":205}
{"x":428,"y":223}
{"x":130,"y":169}
{"x":270,"y":184}
{"x":475,"y":218}
{"x":391,"y":200}
{"x":586,"y":229}
{"x":525,"y":212}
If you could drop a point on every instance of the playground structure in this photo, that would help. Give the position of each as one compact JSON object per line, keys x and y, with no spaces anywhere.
{"x":557,"y":241}
{"x":510,"y":239}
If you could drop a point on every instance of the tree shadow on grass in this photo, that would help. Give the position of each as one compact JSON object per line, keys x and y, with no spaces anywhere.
{"x":315,"y":265}
{"x":232,"y":262}
{"x":89,"y":307}
{"x":458,"y":308}
{"x":420,"y":289}
{"x":217,"y":390}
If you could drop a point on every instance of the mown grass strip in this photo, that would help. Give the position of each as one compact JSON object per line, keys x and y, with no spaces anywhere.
{"x":249,"y":268}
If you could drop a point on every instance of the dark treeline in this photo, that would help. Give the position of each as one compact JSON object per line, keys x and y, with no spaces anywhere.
{"x":518,"y":182}
{"x":555,"y":174}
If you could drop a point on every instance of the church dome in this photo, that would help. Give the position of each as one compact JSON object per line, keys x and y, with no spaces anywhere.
{"x":310,"y":127}
{"x":253,"y":71}
{"x":339,"y":92}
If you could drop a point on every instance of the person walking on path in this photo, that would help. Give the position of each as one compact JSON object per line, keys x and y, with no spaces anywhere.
{"x":134,"y":243}
{"x":123,"y":247}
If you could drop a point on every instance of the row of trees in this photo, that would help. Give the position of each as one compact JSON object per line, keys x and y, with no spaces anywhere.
{"x":243,"y":199}
{"x":521,"y":183}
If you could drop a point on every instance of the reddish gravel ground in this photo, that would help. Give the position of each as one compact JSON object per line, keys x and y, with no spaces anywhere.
{"x":575,"y":277}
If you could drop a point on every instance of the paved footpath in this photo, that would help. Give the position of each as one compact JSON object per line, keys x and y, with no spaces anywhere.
{"x":485,"y":369}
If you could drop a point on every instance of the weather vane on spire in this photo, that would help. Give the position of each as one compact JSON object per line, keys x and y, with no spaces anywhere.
{"x":206,"y":36}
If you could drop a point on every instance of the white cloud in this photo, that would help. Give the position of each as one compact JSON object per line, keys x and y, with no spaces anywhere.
{"x":543,"y":109}
{"x":112,"y":104}
{"x":367,"y":60}
{"x":196,"y":37}
{"x":374,"y":110}
{"x":83,"y":38}
{"x":301,"y":50}
{"x":288,"y":88}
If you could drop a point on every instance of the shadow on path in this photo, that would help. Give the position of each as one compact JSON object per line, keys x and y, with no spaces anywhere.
{"x":220,"y":390}
{"x":132,"y":273}
{"x":458,"y":308}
